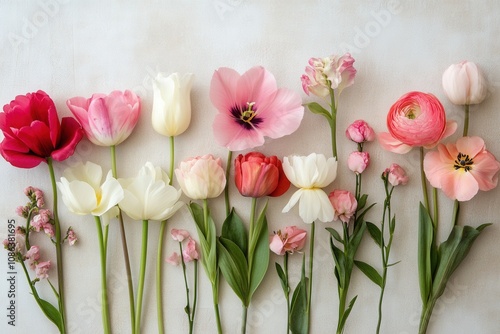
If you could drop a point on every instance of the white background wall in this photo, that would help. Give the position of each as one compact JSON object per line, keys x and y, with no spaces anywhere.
{"x":76,"y":48}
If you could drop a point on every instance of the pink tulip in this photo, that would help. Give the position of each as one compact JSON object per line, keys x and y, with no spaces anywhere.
{"x":416,"y":119}
{"x":251,"y":107}
{"x":107,"y":119}
{"x":173,"y":259}
{"x":190,"y":253}
{"x":462,"y":169}
{"x":344,"y":205}
{"x":464,"y":83}
{"x":290,"y":239}
{"x":42,"y":270}
{"x":257,"y":175}
{"x":179,"y":235}
{"x":358,"y":161}
{"x":396,"y":175}
{"x":359,"y":132}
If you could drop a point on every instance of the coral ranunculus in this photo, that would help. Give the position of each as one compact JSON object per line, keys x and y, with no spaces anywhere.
{"x":251,"y":107}
{"x":289,"y":239}
{"x":462,"y":169}
{"x":257,"y":175}
{"x":107,"y":119}
{"x":33,"y":133}
{"x":417,"y":119}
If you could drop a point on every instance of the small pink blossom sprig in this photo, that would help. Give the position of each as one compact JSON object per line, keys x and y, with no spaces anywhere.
{"x":189,"y":254}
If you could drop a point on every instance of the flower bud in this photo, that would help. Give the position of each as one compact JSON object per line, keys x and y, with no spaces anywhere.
{"x":464,"y":83}
{"x":359,"y":132}
{"x":358,"y":161}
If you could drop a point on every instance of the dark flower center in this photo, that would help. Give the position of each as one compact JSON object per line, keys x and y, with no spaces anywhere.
{"x":463,"y":161}
{"x":246,"y":117}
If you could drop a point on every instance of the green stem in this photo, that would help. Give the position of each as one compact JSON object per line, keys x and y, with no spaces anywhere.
{"x":287,"y":293}
{"x":59,"y":257}
{"x":171,"y":170}
{"x":310,"y":285}
{"x":159,"y":262}
{"x":104,"y":296}
{"x":28,"y":223}
{"x":333,"y":122}
{"x":195,"y":293}
{"x":186,"y":287}
{"x":423,"y":179}
{"x":426,"y":315}
{"x":244,"y":317}
{"x":466,"y":121}
{"x":456,"y":209}
{"x":142,"y":274}
{"x":226,"y":189}
{"x":126,"y":257}
{"x":436,"y":210}
{"x":215,"y":298}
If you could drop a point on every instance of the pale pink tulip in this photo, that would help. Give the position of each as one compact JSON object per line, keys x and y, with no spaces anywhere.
{"x":464,"y":83}
{"x":107,"y":119}
{"x":179,"y":235}
{"x":251,"y":107}
{"x":344,"y":205}
{"x":289,"y":239}
{"x":358,"y":161}
{"x":359,"y":132}
{"x":460,"y":170}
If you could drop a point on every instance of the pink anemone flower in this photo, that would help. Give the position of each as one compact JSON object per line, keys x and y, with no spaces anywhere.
{"x":462,"y":169}
{"x":251,"y":107}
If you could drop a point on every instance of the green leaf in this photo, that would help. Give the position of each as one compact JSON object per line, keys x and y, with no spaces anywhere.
{"x":452,"y":252}
{"x":51,"y":312}
{"x":425,"y":242}
{"x":259,"y":258}
{"x":339,"y":258}
{"x":259,"y":225}
{"x":298,"y":309}
{"x":360,"y":217}
{"x":370,"y":272}
{"x":356,"y":238}
{"x":375,"y":233}
{"x":392,"y":225}
{"x":234,"y":230}
{"x":393,"y":264}
{"x":362,"y":202}
{"x":335,"y":234}
{"x":316,"y":108}
{"x":197,"y":213}
{"x":282,"y":276}
{"x":234,"y":268}
{"x":346,"y":313}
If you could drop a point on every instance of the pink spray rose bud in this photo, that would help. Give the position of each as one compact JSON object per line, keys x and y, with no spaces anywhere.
{"x":290,"y":239}
{"x":173,"y":259}
{"x":359,"y":132}
{"x":190,"y":253}
{"x":179,"y":235}
{"x":464,"y":83}
{"x":358,"y":161}
{"x":344,"y":205}
{"x":42,"y":269}
{"x":396,"y":175}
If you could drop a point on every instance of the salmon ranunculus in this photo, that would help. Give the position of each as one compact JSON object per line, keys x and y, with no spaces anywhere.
{"x":257,"y":175}
{"x":460,"y":170}
{"x":33,"y":132}
{"x":417,"y":119}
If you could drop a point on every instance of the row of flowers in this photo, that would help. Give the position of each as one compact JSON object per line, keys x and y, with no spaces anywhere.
{"x":250,"y":108}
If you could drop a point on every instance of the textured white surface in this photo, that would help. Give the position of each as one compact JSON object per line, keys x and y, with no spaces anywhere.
{"x":71,"y":48}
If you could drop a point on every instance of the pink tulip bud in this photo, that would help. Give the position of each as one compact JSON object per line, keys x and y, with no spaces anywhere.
{"x":464,"y":83}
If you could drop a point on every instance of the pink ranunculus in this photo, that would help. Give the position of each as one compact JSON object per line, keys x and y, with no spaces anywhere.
{"x":257,"y":175}
{"x":33,"y":133}
{"x":42,"y":269}
{"x":396,"y":175}
{"x":190,"y":253}
{"x":344,"y":205}
{"x":358,"y":161}
{"x":289,"y":239}
{"x":173,"y":259}
{"x":359,"y":132}
{"x":323,"y":74}
{"x":32,"y":256}
{"x":464,"y":83}
{"x":416,"y":119}
{"x":251,"y":107}
{"x":201,"y":177}
{"x":179,"y":235}
{"x":460,"y":170}
{"x":107,"y":119}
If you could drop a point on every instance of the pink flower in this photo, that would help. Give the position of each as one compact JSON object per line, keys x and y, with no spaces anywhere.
{"x":22,"y":211}
{"x":257,"y":175}
{"x":32,"y":131}
{"x":190,"y":253}
{"x":40,"y":221}
{"x":335,"y":72}
{"x":179,"y":235}
{"x":416,"y":119}
{"x":462,"y":169}
{"x":42,"y":269}
{"x":173,"y":259}
{"x":396,"y":175}
{"x":344,"y":205}
{"x":464,"y":83}
{"x":359,"y":132}
{"x":71,"y":235}
{"x":32,"y":256}
{"x":251,"y":107}
{"x":290,"y":239}
{"x":107,"y":119}
{"x":358,"y":161}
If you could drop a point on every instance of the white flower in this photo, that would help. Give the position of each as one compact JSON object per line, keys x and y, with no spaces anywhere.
{"x":171,"y":103}
{"x":310,"y":174}
{"x":148,"y":196}
{"x":83,"y":194}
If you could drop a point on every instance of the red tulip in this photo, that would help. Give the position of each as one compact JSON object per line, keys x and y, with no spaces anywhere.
{"x":257,"y":175}
{"x":33,"y":132}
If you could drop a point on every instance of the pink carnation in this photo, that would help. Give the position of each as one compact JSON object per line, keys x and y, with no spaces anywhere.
{"x":396,"y":175}
{"x":358,"y":161}
{"x":359,"y":132}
